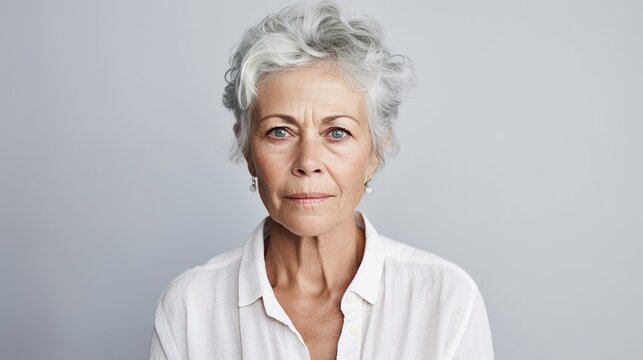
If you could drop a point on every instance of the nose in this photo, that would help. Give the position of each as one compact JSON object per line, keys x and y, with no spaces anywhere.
{"x":308,"y":158}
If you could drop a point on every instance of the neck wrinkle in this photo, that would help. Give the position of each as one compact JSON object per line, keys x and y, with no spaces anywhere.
{"x":312,"y":266}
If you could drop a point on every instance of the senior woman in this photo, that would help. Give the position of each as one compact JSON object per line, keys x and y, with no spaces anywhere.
{"x":314,"y":94}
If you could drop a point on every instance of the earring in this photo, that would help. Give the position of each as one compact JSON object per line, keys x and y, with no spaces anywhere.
{"x":368,"y":189}
{"x":253,"y":186}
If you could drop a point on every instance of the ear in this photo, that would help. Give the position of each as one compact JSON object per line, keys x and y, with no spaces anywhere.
{"x":375,"y":162}
{"x":249,"y":156}
{"x":251,"y":164}
{"x":373,"y":165}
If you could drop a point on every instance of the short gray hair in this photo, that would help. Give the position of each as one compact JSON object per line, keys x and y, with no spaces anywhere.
{"x":303,"y":34}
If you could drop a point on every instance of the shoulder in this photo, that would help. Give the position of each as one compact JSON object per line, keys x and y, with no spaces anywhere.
{"x":218,"y":275}
{"x":202,"y":292}
{"x":433,"y":288}
{"x":429,"y":270}
{"x":437,"y":291}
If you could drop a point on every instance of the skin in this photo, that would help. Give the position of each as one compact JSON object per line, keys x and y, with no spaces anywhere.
{"x":310,"y":134}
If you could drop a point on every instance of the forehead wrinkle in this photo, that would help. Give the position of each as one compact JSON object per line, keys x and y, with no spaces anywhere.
{"x":309,"y":111}
{"x":329,"y":109}
{"x":324,"y":121}
{"x":285,"y":94}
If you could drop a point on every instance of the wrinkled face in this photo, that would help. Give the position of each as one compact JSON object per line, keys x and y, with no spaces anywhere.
{"x":310,"y":148}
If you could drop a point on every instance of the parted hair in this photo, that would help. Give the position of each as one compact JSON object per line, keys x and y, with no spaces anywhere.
{"x":302,"y":34}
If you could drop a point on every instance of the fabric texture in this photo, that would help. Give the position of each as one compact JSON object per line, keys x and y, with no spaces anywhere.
{"x":403,"y":303}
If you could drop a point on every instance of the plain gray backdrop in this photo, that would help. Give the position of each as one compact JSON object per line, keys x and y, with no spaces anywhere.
{"x":521,"y":160}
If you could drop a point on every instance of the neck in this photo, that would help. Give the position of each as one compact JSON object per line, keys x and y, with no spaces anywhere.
{"x":314,"y":266}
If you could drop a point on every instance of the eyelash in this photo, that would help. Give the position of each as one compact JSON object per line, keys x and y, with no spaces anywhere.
{"x":348,"y":133}
{"x":277,"y":128}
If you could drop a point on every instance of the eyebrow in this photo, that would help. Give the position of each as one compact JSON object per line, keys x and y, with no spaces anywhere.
{"x":292,"y":120}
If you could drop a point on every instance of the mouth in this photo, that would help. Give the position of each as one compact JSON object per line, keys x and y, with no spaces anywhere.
{"x":308,"y":198}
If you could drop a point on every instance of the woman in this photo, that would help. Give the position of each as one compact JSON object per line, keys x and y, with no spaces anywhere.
{"x":314,"y":95}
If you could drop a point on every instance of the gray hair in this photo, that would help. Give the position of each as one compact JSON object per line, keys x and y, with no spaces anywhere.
{"x":303,"y":34}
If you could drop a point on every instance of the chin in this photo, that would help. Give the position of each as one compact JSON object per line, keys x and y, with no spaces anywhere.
{"x":305,"y":225}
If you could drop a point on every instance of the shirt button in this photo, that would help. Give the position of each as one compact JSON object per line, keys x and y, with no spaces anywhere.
{"x":350,"y":298}
{"x":354,"y":329}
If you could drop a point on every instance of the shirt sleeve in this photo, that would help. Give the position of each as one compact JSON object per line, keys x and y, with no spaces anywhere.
{"x":476,"y":343}
{"x":163,"y":346}
{"x":156,"y":350}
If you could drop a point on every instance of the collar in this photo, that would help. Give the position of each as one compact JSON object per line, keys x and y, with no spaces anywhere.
{"x":253,"y":279}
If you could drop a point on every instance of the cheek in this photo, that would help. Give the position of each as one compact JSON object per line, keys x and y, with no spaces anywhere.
{"x":266,"y":159}
{"x":271,"y":170}
{"x":270,"y":177}
{"x":349,"y":171}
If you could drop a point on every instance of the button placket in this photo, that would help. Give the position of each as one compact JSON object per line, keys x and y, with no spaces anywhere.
{"x":350,"y":342}
{"x":350,"y":297}
{"x":354,"y":329}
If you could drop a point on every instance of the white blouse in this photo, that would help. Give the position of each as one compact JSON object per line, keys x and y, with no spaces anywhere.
{"x":403,"y":303}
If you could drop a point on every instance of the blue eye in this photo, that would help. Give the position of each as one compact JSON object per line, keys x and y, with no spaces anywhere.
{"x":279,"y":132}
{"x":338,"y":133}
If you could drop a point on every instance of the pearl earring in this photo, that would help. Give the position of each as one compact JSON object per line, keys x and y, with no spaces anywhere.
{"x":368,"y":189}
{"x":253,"y":186}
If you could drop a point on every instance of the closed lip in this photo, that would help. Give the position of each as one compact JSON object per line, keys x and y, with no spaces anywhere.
{"x":304,"y":196}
